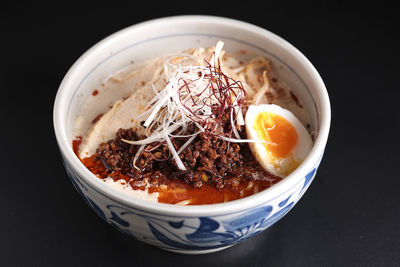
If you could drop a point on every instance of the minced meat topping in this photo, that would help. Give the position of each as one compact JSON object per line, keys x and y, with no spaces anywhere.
{"x":208,"y":160}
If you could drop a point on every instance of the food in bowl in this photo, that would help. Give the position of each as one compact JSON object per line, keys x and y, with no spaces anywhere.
{"x":201,"y":126}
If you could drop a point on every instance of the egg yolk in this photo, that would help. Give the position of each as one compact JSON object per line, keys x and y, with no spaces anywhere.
{"x":277,"y":130}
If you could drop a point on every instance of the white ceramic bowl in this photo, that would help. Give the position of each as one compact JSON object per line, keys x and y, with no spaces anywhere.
{"x":189,"y":229}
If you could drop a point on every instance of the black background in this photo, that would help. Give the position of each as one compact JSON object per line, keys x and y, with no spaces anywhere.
{"x":350,"y":214}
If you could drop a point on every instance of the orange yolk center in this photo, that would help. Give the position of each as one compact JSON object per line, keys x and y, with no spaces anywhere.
{"x":277,"y":130}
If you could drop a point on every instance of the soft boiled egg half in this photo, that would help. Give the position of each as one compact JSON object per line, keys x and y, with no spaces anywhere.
{"x":281,"y":142}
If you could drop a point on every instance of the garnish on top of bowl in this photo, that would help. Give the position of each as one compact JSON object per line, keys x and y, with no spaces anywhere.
{"x":197,"y":127}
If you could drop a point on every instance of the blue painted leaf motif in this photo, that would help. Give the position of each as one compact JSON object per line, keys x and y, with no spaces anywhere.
{"x":176,"y":225}
{"x":276,"y":216}
{"x":283,"y":203}
{"x":122,"y":230}
{"x":118,"y":219}
{"x":309,"y":176}
{"x":247,"y":219}
{"x":205,"y":233}
{"x":164,"y":239}
{"x":79,"y":190}
{"x":73,"y":176}
{"x":96,"y":209}
{"x":77,"y":184}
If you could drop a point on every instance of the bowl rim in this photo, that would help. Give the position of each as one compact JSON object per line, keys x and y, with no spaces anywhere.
{"x":195,"y":210}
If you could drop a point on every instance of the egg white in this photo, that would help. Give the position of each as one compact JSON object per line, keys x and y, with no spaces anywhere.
{"x":276,"y":165}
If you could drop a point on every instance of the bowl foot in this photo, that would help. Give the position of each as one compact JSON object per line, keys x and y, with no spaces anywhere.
{"x":195,"y":252}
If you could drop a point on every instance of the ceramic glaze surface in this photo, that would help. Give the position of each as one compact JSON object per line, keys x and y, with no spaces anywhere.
{"x":185,"y":234}
{"x":202,"y":228}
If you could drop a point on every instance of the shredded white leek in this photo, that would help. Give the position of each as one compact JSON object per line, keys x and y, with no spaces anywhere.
{"x":178,"y":161}
{"x":186,"y":99}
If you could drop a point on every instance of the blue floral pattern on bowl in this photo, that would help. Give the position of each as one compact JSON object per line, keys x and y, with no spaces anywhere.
{"x":189,"y":234}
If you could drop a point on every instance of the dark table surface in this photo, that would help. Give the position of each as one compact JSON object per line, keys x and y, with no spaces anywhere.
{"x":349,"y":216}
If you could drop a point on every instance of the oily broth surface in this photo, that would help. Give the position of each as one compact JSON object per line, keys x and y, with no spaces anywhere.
{"x":129,"y":81}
